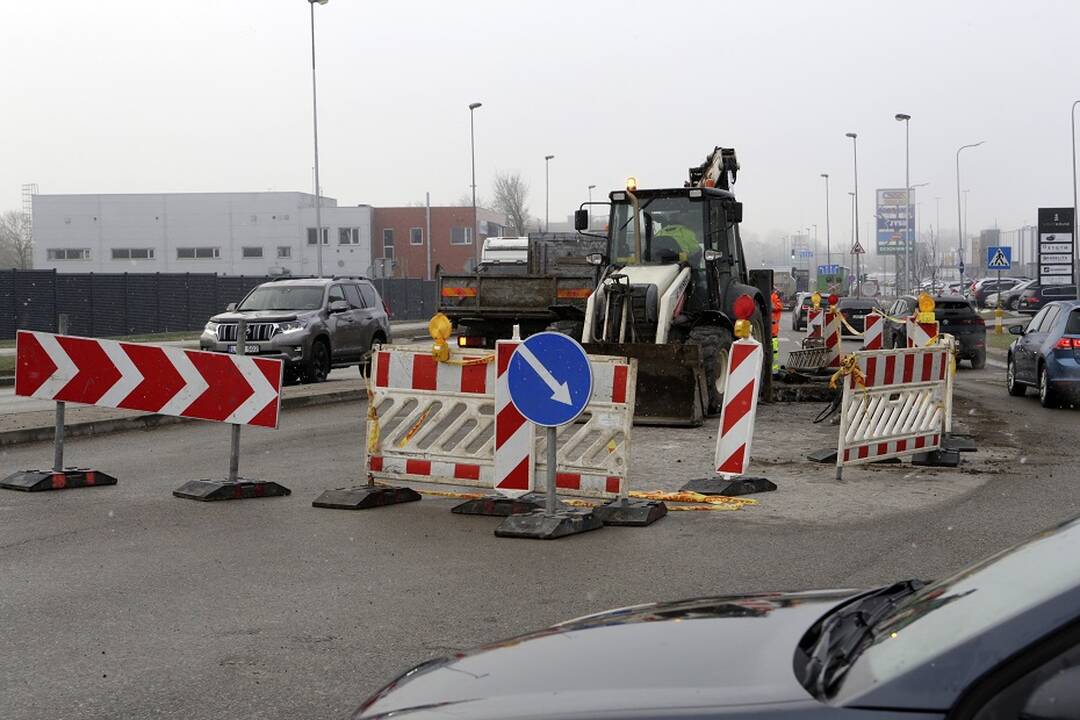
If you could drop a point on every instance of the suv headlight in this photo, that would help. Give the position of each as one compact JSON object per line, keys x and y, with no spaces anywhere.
{"x":211,"y":327}
{"x":291,"y":326}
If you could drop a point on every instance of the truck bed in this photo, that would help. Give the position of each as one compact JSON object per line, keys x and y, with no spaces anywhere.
{"x":509,"y":297}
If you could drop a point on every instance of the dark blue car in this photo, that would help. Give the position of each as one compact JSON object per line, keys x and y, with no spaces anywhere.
{"x":999,"y":639}
{"x":1046,"y":355}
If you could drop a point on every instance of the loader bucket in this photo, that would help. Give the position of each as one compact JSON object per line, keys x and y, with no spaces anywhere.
{"x":670,"y":381}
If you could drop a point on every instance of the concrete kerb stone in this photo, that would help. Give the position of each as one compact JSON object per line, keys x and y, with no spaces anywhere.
{"x":44,"y":433}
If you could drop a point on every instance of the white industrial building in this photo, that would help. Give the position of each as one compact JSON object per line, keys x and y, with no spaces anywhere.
{"x":258,"y":233}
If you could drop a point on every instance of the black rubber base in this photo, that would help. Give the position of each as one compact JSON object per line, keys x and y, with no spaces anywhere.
{"x":242,"y":489}
{"x":824,"y":455}
{"x":958,"y":443}
{"x":937,"y":458}
{"x":539,"y":525}
{"x":630,"y":513}
{"x":365,"y":497}
{"x":736,"y":486}
{"x":42,"y":480}
{"x":503,"y":506}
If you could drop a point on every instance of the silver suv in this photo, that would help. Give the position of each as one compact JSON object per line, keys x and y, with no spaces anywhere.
{"x":312,"y":324}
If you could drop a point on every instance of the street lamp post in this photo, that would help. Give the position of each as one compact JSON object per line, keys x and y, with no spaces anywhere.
{"x":828,"y":230}
{"x":472,"y":151}
{"x":959,"y":210}
{"x":315,"y":131}
{"x":547,"y":190}
{"x":855,"y":201}
{"x":854,"y":240}
{"x":913,"y":202}
{"x":1076,"y":244}
{"x":906,"y":119}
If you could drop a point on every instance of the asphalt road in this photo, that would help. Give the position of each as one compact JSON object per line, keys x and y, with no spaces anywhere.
{"x":127,"y":602}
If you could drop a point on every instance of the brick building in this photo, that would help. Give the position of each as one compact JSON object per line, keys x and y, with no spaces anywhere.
{"x":399,"y":246}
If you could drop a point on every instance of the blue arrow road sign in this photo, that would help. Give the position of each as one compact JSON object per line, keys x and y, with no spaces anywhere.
{"x":550,"y":379}
{"x":999,"y":257}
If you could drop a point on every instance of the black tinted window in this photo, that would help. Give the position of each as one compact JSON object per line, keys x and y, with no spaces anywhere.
{"x":1073,"y":326}
{"x":336,"y":293}
{"x":371,"y":298}
{"x":353,"y":296}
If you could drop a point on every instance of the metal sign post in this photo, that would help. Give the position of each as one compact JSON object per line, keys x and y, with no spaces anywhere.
{"x":58,"y":442}
{"x":550,"y":382}
{"x":998,"y":257}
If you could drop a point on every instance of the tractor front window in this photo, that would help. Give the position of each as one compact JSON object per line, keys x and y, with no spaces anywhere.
{"x":672,"y":231}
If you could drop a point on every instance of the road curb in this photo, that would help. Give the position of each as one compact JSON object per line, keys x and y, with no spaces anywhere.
{"x":149,"y":422}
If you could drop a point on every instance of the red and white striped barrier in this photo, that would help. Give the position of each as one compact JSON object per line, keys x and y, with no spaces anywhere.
{"x":515,"y":437}
{"x":454,"y":424}
{"x":243,"y":390}
{"x":815,"y":323}
{"x":921,"y":334}
{"x":832,"y":338}
{"x":895,"y":403}
{"x":873,"y":335}
{"x":733,"y":441}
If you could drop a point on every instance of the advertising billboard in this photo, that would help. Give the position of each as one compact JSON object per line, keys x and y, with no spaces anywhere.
{"x":893,"y":213}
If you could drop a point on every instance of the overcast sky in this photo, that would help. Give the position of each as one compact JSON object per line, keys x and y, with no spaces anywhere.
{"x":215,"y":95}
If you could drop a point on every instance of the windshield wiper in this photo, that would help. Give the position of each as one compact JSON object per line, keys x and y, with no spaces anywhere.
{"x":844,"y":634}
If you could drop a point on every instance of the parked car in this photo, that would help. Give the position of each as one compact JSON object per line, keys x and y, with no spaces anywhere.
{"x":855,"y":310}
{"x":998,"y":639}
{"x":801,"y":311}
{"x":990,"y":285}
{"x":1046,"y":355}
{"x":955,"y":315}
{"x":1009,"y":298}
{"x":311,"y":324}
{"x":1032,"y":300}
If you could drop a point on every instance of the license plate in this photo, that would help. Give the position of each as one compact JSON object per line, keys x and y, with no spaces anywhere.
{"x":248,"y":349}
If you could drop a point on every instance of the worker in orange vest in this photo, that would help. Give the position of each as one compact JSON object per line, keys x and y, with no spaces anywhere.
{"x":777,"y":313}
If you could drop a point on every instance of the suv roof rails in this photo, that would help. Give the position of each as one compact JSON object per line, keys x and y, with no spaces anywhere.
{"x":349,"y":277}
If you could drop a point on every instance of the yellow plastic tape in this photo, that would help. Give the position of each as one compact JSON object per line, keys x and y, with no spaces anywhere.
{"x":695,"y":501}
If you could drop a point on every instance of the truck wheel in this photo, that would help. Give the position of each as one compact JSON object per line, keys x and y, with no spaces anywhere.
{"x":318,"y":366}
{"x":979,"y":361}
{"x":573,"y":328}
{"x":715,"y":343}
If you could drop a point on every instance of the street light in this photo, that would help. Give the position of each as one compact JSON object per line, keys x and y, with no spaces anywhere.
{"x":547,"y":189}
{"x":908,"y":275}
{"x":1072,"y":118}
{"x":855,"y":202}
{"x":315,"y":130}
{"x":472,"y":150}
{"x":959,"y":211}
{"x":828,"y":230}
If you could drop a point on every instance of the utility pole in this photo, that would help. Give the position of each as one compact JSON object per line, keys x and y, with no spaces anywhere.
{"x":472,"y":150}
{"x":828,"y":231}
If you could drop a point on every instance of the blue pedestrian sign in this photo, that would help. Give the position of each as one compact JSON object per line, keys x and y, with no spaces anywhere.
{"x":999,"y":257}
{"x":550,"y":379}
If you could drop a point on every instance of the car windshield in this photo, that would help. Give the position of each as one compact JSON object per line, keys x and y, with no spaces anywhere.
{"x":956,"y":610}
{"x":672,"y":229}
{"x":284,"y":297}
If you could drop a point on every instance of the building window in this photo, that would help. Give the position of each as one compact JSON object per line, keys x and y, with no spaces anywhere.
{"x":325,"y":236}
{"x":461,"y":236}
{"x":388,"y":243}
{"x":348,"y":236}
{"x":197,"y":253}
{"x":284,"y":252}
{"x":416,"y":236}
{"x":133,"y":253}
{"x":251,"y":253}
{"x":68,"y":253}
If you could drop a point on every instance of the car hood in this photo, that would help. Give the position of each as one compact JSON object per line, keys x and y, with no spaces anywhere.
{"x":719,"y":652}
{"x":261,"y":316}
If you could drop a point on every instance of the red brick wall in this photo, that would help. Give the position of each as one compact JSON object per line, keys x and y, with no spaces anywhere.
{"x":412,"y":259}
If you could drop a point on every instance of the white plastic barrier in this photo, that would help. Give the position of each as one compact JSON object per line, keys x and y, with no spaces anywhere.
{"x":436,"y":423}
{"x":895,"y":403}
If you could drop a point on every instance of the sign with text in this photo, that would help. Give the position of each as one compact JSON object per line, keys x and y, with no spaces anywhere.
{"x":894,"y":212}
{"x":1056,"y":251}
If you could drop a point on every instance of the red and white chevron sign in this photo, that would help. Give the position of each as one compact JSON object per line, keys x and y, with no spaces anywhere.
{"x":164,"y":380}
{"x":740,"y":406}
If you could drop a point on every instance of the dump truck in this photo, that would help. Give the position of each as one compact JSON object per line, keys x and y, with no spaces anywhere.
{"x":553,"y":284}
{"x":672,"y":268}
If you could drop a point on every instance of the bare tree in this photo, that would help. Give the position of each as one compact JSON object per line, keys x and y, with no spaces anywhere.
{"x":511,"y":193}
{"x":465,"y":200}
{"x":16,"y":248}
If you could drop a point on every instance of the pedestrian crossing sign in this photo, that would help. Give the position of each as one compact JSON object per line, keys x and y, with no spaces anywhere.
{"x":999,"y":257}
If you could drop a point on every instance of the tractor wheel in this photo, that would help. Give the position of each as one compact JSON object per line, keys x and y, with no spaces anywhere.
{"x":715,"y":343}
{"x":573,"y":328}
